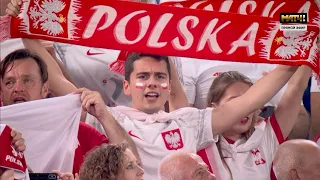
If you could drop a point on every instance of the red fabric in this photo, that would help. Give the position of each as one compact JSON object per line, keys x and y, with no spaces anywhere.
{"x":276,"y":128}
{"x":88,"y":139}
{"x":203,"y":154}
{"x":118,"y":65}
{"x":272,"y":175}
{"x":230,"y":141}
{"x":155,"y":29}
{"x":10,"y":158}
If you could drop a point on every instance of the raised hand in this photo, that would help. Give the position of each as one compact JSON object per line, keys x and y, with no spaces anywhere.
{"x":13,"y":8}
{"x":18,"y":141}
{"x":93,"y":103}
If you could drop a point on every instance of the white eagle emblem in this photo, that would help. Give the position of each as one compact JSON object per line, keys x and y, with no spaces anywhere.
{"x":173,"y":139}
{"x":294,"y":42}
{"x":46,"y":15}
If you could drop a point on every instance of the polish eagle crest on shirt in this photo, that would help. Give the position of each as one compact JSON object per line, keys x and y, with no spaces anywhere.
{"x":172,"y":139}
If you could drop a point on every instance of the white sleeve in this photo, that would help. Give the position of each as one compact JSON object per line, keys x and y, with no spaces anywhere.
{"x":200,"y":120}
{"x":189,"y":81}
{"x":95,"y":123}
{"x":60,"y":50}
{"x":178,"y":65}
{"x":315,"y":85}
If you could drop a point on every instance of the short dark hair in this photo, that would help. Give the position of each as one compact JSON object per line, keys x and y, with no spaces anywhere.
{"x":136,"y":56}
{"x":21,"y":54}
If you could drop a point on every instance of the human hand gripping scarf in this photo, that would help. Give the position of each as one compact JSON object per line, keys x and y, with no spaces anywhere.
{"x":191,"y":31}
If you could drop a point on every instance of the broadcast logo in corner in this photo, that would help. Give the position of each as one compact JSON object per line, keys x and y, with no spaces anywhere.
{"x":293,"y":21}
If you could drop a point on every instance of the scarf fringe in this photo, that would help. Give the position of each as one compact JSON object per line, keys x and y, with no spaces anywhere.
{"x":117,"y":67}
{"x":5,"y":28}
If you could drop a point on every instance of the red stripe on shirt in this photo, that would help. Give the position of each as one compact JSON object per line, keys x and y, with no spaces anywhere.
{"x":272,"y":175}
{"x":317,"y":139}
{"x":276,"y":128}
{"x":203,"y":154}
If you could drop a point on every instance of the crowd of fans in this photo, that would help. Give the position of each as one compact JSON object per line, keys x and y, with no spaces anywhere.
{"x":170,"y":118}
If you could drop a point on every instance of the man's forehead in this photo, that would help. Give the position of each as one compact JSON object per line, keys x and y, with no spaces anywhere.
{"x":150,"y":69}
{"x":23,"y":75}
{"x":149,"y":62}
{"x":151,"y":72}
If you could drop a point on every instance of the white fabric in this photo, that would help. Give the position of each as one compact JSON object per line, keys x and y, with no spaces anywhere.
{"x":50,"y":129}
{"x":198,"y":76}
{"x":9,"y":46}
{"x":89,"y":67}
{"x":240,"y":156}
{"x":154,"y":141}
{"x":315,"y":85}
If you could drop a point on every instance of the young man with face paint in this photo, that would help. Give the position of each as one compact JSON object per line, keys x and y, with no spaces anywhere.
{"x":83,"y":63}
{"x":157,"y":133}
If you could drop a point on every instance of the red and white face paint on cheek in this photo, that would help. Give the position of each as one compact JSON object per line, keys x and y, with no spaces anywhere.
{"x":164,"y":85}
{"x":139,"y":85}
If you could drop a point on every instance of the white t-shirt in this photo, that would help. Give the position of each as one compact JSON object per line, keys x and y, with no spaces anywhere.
{"x":188,"y":129}
{"x":252,"y":158}
{"x":9,"y":46}
{"x":315,"y":85}
{"x":89,"y":67}
{"x":50,"y":129}
{"x":198,"y":76}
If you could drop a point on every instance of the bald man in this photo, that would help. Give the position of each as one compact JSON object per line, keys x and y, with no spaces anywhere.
{"x":184,"y":166}
{"x":297,"y":159}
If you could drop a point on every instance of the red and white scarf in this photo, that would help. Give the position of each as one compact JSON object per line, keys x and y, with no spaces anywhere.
{"x":173,"y":31}
{"x":10,"y":158}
